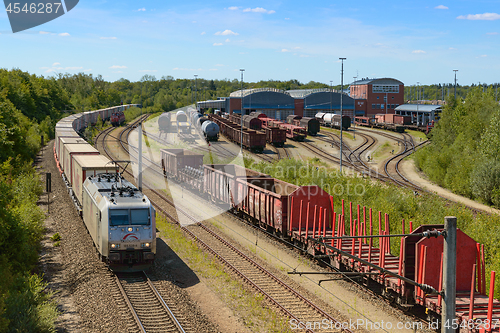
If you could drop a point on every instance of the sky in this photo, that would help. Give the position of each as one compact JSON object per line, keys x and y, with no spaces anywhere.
{"x":417,"y":42}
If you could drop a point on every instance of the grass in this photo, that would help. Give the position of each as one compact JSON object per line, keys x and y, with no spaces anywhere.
{"x":382,"y":150}
{"x":55,"y":237}
{"x":251,"y":307}
{"x":345,"y":133}
{"x":417,"y":134}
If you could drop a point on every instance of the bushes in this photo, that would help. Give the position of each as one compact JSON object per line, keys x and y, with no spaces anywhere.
{"x":465,"y":144}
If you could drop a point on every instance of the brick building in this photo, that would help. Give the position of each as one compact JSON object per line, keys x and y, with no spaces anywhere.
{"x":374,"y":96}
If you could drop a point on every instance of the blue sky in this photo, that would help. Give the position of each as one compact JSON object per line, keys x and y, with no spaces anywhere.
{"x":413,"y":41}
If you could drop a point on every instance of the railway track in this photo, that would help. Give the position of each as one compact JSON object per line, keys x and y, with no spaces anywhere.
{"x":290,"y":302}
{"x":149,"y":310}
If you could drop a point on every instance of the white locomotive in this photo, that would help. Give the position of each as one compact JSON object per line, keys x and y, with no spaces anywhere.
{"x":121,"y":221}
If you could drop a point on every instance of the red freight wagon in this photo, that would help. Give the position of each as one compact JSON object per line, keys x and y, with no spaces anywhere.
{"x":267,"y":200}
{"x":252,"y":122}
{"x":402,"y":120}
{"x":275,"y":136}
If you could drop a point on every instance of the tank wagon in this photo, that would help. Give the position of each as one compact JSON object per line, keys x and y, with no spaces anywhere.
{"x":210,"y":130}
{"x":165,"y":122}
{"x":307,"y":216}
{"x":119,"y":218}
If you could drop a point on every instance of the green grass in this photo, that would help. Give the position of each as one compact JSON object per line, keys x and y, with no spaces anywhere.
{"x":382,"y":150}
{"x":417,"y":134}
{"x":55,"y":237}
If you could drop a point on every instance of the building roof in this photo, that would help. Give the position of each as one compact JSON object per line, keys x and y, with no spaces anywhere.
{"x":419,"y":108}
{"x":247,"y":92}
{"x":301,"y":93}
{"x":385,"y":80}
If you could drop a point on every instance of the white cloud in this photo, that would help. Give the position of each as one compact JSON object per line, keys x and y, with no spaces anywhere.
{"x":141,"y":9}
{"x":213,"y":69}
{"x":44,"y":33}
{"x":108,"y":37}
{"x":492,"y":33}
{"x":226,"y":33}
{"x":482,"y":56}
{"x":451,"y":48}
{"x":87,"y":70}
{"x":73,"y":68}
{"x":233,"y":8}
{"x":64,"y":34}
{"x":218,"y":44}
{"x":203,"y":33}
{"x":441,"y":7}
{"x":259,"y":10}
{"x":287,"y":18}
{"x":148,"y":70}
{"x":418,"y":51}
{"x":304,"y":56}
{"x":480,"y":17}
{"x":55,"y":64}
{"x":117,"y":66}
{"x":285,"y":50}
{"x":219,"y":65}
{"x":227,"y":40}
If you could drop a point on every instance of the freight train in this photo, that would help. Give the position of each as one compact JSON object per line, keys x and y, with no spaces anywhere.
{"x":392,"y":122}
{"x":306,"y":217}
{"x":119,"y":218}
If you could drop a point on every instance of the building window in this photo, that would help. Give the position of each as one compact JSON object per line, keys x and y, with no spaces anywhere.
{"x":392,"y":97}
{"x":374,"y":106}
{"x":378,"y":88}
{"x":378,"y":97}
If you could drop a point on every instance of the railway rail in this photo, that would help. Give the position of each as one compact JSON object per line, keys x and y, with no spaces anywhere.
{"x":149,"y":310}
{"x":290,"y":302}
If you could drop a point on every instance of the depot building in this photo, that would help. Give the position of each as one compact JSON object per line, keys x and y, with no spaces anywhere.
{"x":365,"y":97}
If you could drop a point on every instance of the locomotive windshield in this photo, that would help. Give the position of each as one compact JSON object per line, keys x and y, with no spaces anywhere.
{"x":118,"y":217}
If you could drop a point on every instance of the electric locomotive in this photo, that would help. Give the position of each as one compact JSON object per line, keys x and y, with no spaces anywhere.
{"x":121,"y":222}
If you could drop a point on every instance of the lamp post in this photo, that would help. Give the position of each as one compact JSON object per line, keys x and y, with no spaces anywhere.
{"x":354,"y":122}
{"x":241,"y":112}
{"x":139,"y":180}
{"x":341,"y":110}
{"x":455,"y":70}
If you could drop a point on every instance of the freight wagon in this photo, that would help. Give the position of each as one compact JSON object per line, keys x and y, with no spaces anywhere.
{"x":307,"y":217}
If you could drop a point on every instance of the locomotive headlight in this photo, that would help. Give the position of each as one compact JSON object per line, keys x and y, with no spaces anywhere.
{"x":115,"y":246}
{"x":146,"y":244}
{"x":130,"y":229}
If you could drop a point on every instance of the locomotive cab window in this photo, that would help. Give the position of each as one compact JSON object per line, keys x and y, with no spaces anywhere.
{"x":139,"y":216}
{"x":118,"y":217}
